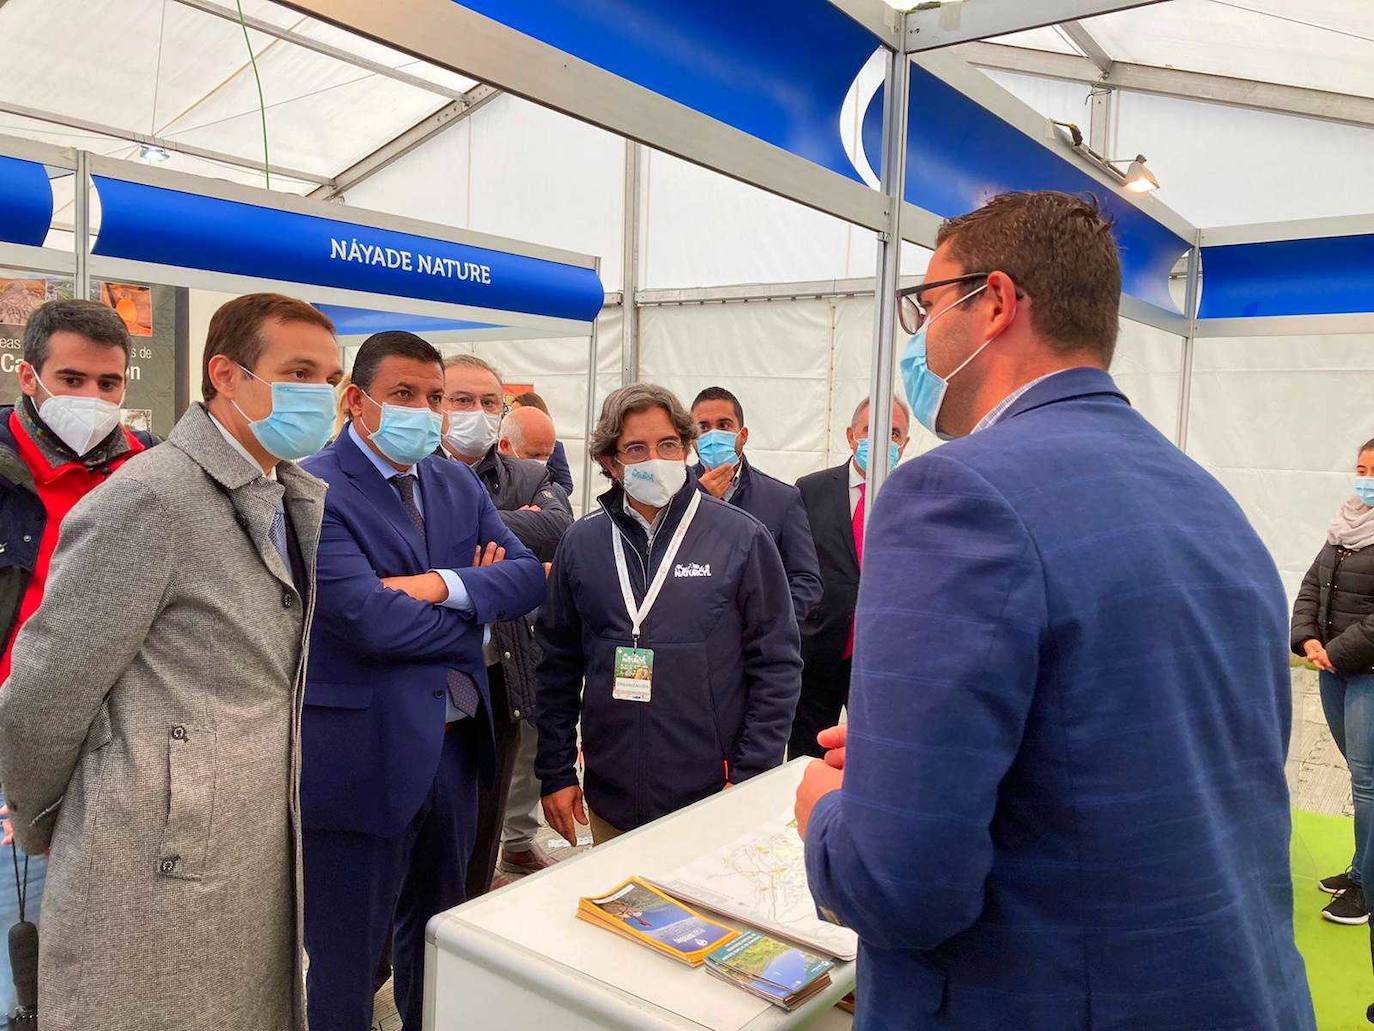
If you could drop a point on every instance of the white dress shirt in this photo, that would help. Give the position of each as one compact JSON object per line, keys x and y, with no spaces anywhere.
{"x":234,"y":443}
{"x":856,"y":480}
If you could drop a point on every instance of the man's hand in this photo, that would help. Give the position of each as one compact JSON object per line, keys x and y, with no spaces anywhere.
{"x":529,"y":508}
{"x":717,"y":480}
{"x":427,"y":587}
{"x":833,"y":741}
{"x":564,"y":807}
{"x":1316,"y":655}
{"x":818,"y":781}
{"x":9,"y":825}
{"x":490,"y":556}
{"x":548,"y":568}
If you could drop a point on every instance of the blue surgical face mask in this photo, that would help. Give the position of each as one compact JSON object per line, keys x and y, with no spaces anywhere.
{"x":1364,"y":489}
{"x":717,"y":448}
{"x":925,"y":391}
{"x":300,"y":422}
{"x":861,"y":456}
{"x":406,"y":435}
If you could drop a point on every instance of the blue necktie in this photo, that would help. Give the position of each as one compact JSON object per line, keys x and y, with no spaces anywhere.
{"x":462,"y":690}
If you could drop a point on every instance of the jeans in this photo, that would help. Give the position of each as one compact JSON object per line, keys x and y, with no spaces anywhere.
{"x":1348,"y":703}
{"x":9,"y":914}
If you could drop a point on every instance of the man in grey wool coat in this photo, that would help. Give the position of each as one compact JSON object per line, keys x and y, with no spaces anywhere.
{"x":150,"y":726}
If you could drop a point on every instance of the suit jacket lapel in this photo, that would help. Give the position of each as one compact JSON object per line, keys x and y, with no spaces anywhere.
{"x":384,"y":497}
{"x":305,"y":506}
{"x":843,"y":519}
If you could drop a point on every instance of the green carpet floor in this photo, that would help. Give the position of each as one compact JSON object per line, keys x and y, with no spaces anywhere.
{"x":1338,"y":965}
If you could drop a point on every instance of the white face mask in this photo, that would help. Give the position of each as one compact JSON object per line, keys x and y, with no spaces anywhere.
{"x":79,"y":422}
{"x":654,"y":482}
{"x":472,"y":433}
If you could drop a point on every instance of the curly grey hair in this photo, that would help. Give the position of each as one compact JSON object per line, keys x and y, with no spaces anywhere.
{"x":630,"y":400}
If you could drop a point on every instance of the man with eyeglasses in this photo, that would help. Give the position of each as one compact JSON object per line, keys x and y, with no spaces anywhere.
{"x":1060,"y":802}
{"x":537,"y":511}
{"x":673,"y":609}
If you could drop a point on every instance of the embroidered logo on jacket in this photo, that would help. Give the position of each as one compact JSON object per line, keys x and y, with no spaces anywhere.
{"x":692,"y":569}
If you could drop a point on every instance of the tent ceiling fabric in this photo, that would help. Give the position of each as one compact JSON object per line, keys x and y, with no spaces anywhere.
{"x":168,"y":70}
{"x":1318,"y":44}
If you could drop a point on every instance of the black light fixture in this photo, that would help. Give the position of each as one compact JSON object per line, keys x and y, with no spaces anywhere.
{"x":1137,"y":177}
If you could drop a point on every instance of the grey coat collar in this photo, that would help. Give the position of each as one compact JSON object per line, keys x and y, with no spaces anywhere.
{"x":251,"y":493}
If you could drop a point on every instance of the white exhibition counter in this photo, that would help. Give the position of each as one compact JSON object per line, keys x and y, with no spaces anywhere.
{"x":518,"y":959}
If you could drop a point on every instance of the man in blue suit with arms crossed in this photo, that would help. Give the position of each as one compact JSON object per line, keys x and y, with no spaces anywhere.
{"x":1062,"y":802}
{"x":414,"y":561}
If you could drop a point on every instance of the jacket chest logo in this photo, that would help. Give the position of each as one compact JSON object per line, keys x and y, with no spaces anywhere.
{"x":691,"y":569}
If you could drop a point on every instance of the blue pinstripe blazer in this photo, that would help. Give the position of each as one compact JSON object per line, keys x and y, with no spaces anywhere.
{"x":1064,"y":805}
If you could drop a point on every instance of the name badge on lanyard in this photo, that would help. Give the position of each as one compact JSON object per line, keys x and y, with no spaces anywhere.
{"x":634,"y":666}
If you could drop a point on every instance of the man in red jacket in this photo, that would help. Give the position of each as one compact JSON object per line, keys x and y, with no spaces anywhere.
{"x":60,"y":442}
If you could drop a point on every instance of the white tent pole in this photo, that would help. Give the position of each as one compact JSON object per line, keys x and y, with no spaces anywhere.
{"x":889,"y":271}
{"x":629,"y":292}
{"x":1185,"y":378}
{"x":81,"y":206}
{"x":590,"y":424}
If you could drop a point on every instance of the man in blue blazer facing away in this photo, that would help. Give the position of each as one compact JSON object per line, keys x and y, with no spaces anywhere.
{"x":414,"y":561}
{"x":1062,"y":803}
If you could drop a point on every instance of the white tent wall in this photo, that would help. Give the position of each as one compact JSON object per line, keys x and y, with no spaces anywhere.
{"x":517,"y":170}
{"x":1279,"y":421}
{"x":1222,"y":165}
{"x":800,"y":368}
{"x":557,"y":368}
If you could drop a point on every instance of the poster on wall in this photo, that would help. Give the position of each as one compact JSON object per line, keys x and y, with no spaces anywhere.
{"x":155,"y":317}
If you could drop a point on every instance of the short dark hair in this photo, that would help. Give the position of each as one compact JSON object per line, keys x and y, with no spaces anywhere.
{"x":1368,"y":446}
{"x":89,"y":319}
{"x":394,"y":343}
{"x":720,"y":394}
{"x":236,"y":329}
{"x":532,"y":400}
{"x":1060,"y":251}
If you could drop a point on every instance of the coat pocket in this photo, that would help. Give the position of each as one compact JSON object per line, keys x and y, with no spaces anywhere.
{"x":190,"y":797}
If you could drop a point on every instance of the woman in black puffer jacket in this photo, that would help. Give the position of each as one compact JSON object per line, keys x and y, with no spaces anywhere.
{"x":1333,"y":627}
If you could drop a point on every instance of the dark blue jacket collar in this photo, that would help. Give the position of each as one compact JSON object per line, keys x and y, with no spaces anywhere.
{"x":1066,"y":386}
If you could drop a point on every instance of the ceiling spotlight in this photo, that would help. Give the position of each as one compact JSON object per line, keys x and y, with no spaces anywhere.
{"x":1139,"y":179}
{"x":153,"y":155}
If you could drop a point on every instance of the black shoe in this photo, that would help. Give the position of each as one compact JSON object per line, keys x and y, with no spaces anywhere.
{"x":1348,"y":907}
{"x":1369,"y":1013}
{"x":1336,"y":884}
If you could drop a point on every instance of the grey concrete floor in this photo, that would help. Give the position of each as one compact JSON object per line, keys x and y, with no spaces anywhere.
{"x":1317,"y":778}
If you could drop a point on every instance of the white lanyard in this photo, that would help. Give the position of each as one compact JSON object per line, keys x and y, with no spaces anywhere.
{"x":639,"y":615}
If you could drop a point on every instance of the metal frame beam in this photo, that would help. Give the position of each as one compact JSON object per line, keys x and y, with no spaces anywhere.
{"x":879,"y":18}
{"x":452,"y":36}
{"x":1087,"y":42}
{"x":945,"y":24}
{"x":337,"y":53}
{"x":631,"y":218}
{"x":130,"y":136}
{"x":1344,"y":108}
{"x":1185,"y":376}
{"x":420,"y":133}
{"x":895,"y":110}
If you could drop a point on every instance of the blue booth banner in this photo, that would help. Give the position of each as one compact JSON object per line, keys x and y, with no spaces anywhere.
{"x":25,"y":202}
{"x":778,"y":70}
{"x":1331,"y":275}
{"x":960,"y":154}
{"x":171,"y":227}
{"x":356,"y":322}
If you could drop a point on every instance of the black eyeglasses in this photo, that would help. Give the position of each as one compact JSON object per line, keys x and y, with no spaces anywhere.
{"x":913,"y":314}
